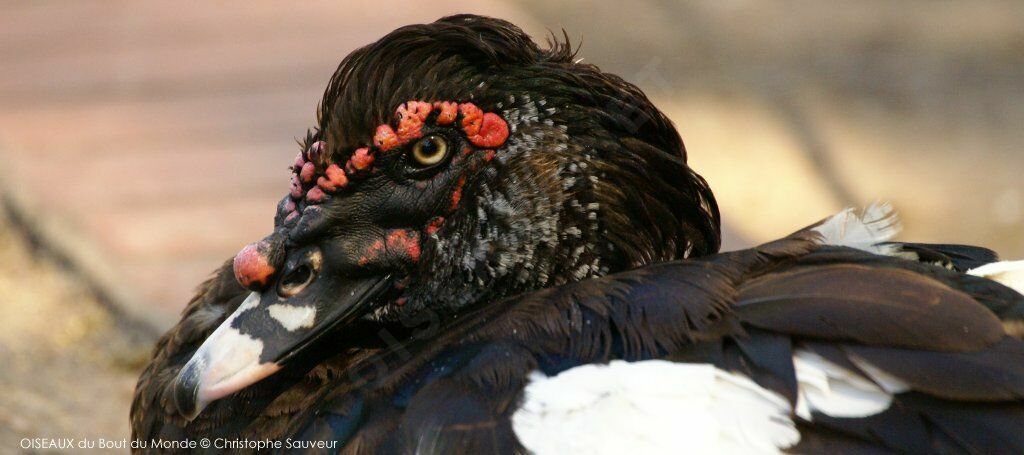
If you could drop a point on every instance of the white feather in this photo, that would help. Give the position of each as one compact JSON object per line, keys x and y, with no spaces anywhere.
{"x":833,"y":390}
{"x":877,"y":224}
{"x":1008,"y":273}
{"x":657,"y":406}
{"x":653,"y":406}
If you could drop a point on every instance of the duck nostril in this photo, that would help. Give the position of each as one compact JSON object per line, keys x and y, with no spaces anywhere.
{"x":295,"y":280}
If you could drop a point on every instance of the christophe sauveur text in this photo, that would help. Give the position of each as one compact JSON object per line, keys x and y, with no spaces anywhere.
{"x":203,"y":443}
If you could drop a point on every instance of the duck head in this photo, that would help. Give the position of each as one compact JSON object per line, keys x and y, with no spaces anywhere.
{"x":454,"y":163}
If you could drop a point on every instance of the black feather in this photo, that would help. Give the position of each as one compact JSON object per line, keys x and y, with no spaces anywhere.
{"x":995,"y":373}
{"x":856,"y":303}
{"x":960,"y":257}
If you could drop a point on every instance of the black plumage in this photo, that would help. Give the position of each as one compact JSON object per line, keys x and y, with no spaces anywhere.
{"x":956,"y":257}
{"x":586,"y":239}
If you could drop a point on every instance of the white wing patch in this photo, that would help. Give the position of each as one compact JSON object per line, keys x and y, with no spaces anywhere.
{"x":833,"y":390}
{"x":293,"y":317}
{"x":877,"y":224}
{"x":657,"y":406}
{"x":1007,"y":273}
{"x":653,"y":406}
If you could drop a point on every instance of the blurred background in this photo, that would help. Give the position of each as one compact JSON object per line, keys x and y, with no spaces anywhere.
{"x":143,"y":143}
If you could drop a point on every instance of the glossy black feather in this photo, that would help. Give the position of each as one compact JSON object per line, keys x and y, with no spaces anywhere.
{"x":958,"y":257}
{"x":917,"y":423}
{"x":1006,"y":303}
{"x":857,"y":303}
{"x":978,"y":428}
{"x":768,"y":359}
{"x":994,"y":373}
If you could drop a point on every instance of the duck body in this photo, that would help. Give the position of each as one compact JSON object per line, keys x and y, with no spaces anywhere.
{"x":491,"y":248}
{"x":933,"y":360}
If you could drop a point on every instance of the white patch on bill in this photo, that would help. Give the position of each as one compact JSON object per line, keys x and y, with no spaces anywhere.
{"x":293,"y":317}
{"x":229,"y":360}
{"x":228,"y":353}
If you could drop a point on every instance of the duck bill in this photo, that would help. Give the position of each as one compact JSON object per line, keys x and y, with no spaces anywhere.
{"x":259,"y":338}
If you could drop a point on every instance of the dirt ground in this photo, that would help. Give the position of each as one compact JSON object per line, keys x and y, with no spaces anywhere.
{"x":65,"y":361}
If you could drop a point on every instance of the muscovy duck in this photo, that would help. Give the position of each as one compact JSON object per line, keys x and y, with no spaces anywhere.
{"x":492,"y":247}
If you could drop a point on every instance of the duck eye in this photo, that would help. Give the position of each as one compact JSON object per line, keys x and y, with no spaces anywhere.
{"x":429,"y":150}
{"x":295,"y":281}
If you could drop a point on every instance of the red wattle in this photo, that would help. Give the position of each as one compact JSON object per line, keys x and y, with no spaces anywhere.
{"x":252,"y":267}
{"x":493,"y":132}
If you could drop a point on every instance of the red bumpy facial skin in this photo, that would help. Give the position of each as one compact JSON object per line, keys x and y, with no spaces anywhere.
{"x":334,"y":177}
{"x":457,"y":194}
{"x":406,"y":242}
{"x":372,"y":252}
{"x":472,"y":118}
{"x":493,"y":132}
{"x":385,"y":138}
{"x":307,"y":172}
{"x":361,"y":160}
{"x":400,"y":244}
{"x":485,"y":130}
{"x":434,"y":225}
{"x":446,"y":112}
{"x":252,"y":265}
{"x":411,"y":116}
{"x":315,"y":195}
